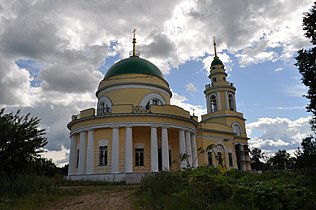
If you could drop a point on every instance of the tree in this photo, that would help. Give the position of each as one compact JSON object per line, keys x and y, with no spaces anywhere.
{"x":256,"y":156}
{"x":21,"y":141}
{"x":307,"y":157}
{"x":306,"y":62}
{"x":281,"y":160}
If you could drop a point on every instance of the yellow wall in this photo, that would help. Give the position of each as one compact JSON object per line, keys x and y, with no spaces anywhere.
{"x":132,"y":96}
{"x":102,"y":134}
{"x":141,"y":135}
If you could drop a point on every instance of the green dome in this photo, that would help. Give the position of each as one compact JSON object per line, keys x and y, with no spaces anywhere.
{"x":216,"y":61}
{"x":133,"y":65}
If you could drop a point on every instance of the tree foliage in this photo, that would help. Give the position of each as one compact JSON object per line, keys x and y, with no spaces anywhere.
{"x":307,"y":157}
{"x":21,"y":141}
{"x":306,"y":62}
{"x":282,"y":160}
{"x":256,"y":156}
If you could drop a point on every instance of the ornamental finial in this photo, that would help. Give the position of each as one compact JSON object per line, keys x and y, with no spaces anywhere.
{"x":214,"y":43}
{"x":134,"y":42}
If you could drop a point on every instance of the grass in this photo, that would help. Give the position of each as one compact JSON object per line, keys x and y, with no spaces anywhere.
{"x":35,"y":192}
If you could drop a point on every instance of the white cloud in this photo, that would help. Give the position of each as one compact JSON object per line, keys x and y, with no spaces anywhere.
{"x":295,"y":90}
{"x":278,"y":69}
{"x":272,"y":134}
{"x":190,"y":87}
{"x":181,"y":101}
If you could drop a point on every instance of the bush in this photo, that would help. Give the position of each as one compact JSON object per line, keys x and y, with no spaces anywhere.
{"x":215,"y":188}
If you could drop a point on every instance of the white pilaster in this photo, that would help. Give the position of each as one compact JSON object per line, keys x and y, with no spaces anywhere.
{"x":182,"y":148}
{"x":194,"y":151}
{"x":154,"y":149}
{"x":165,"y":149}
{"x":90,"y":153}
{"x":72,"y":155}
{"x":129,"y":150}
{"x":115,"y":150}
{"x":188,"y":146}
{"x":82,"y":153}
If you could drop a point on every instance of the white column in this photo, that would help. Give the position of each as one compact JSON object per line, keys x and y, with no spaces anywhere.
{"x":208,"y":101}
{"x":165,"y":149}
{"x":188,"y":146}
{"x":219,"y":105}
{"x":154,"y":149}
{"x":115,"y":150}
{"x":129,"y":150}
{"x":90,"y":153}
{"x":182,"y":148}
{"x":72,"y":155}
{"x":226,"y":100}
{"x":194,"y":151}
{"x":82,"y":153}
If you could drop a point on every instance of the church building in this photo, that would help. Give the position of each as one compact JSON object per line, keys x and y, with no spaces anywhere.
{"x":134,"y":129}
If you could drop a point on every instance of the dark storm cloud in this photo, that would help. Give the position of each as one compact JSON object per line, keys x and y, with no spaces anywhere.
{"x":161,"y":46}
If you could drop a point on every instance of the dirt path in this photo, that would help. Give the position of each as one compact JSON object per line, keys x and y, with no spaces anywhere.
{"x":98,"y":198}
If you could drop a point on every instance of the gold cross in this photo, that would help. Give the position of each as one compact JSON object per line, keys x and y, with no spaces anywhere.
{"x":134,"y":32}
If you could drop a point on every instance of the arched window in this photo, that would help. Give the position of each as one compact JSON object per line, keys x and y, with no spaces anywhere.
{"x":231,"y":102}
{"x":104,"y":105}
{"x":214,"y":79}
{"x":213,"y":103}
{"x":237,"y":129}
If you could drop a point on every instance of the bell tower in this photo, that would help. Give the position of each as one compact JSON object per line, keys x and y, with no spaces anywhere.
{"x":220,"y":94}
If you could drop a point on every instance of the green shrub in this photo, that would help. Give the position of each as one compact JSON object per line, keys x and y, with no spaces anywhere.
{"x":215,"y":188}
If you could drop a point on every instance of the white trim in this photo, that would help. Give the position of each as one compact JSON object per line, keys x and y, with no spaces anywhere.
{"x":124,"y":86}
{"x":103,"y":142}
{"x":139,"y":146}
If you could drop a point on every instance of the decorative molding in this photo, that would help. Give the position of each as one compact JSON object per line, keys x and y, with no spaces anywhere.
{"x":132,"y":124}
{"x":130,"y":85}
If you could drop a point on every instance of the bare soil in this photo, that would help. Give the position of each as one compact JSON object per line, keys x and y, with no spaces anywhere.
{"x":94,"y":198}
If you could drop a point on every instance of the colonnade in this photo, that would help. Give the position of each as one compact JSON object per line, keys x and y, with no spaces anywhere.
{"x":85,"y":160}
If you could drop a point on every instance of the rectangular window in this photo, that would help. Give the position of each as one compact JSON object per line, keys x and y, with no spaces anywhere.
{"x":77,"y":162}
{"x":209,"y":159}
{"x":230,"y":158}
{"x":139,"y":156}
{"x":220,"y":158}
{"x":103,"y":155}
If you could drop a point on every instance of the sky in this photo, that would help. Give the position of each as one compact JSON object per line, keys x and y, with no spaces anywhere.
{"x":53,"y":54}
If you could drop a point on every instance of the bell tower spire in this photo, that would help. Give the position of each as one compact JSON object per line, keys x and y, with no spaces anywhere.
{"x":214,"y":43}
{"x":134,"y":42}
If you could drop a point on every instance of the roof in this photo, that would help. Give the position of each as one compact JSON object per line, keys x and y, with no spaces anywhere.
{"x":216,"y":61}
{"x":133,"y":65}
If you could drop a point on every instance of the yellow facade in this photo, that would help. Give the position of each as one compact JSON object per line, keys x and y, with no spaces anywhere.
{"x":134,"y":129}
